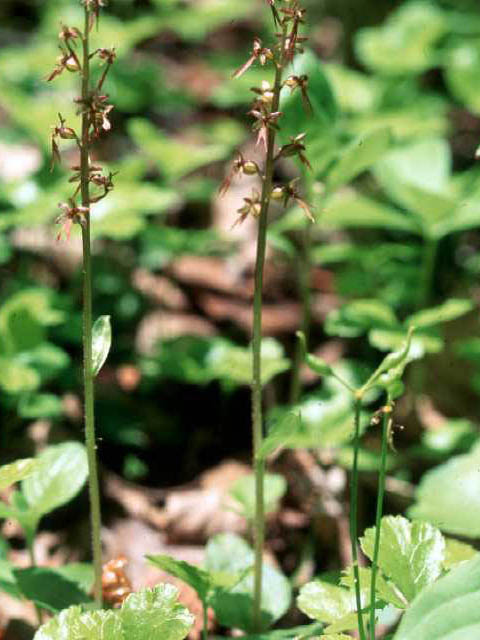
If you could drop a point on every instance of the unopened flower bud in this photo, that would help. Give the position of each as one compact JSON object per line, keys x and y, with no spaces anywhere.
{"x":250,"y":168}
{"x":277,"y":193}
{"x":71,"y":64}
{"x":67,"y":133}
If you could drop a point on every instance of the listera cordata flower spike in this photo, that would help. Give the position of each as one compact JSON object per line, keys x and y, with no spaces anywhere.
{"x":288,"y":16}
{"x":94,"y":105}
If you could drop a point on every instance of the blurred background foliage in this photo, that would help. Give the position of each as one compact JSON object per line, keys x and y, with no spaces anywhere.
{"x":394,"y":186}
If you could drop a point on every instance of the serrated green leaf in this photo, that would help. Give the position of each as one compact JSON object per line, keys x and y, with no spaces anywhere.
{"x":75,"y":625}
{"x":447,"y":496}
{"x":155,"y":613}
{"x":410,"y":555}
{"x":101,"y":342}
{"x":448,"y":609}
{"x":355,"y":318}
{"x":16,"y":471}
{"x":60,"y":474}
{"x":457,"y":552}
{"x":329,"y":604}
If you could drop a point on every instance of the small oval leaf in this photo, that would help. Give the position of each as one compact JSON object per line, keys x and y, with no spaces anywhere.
{"x":101,"y":342}
{"x":16,"y":471}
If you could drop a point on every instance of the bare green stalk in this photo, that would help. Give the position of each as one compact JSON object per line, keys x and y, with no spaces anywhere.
{"x":387,"y":412}
{"x":257,"y":417}
{"x":88,"y":376}
{"x":354,"y":516}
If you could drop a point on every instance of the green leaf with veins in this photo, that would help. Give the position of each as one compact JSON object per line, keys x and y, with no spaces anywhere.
{"x":16,"y":471}
{"x":411,"y":553}
{"x":243,"y":492}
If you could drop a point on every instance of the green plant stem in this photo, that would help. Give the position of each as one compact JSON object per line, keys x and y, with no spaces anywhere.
{"x":94,"y":490}
{"x":354,"y":516}
{"x":33,"y":563}
{"x":378,"y":518}
{"x":304,"y":285}
{"x":257,"y":418}
{"x":429,"y":259}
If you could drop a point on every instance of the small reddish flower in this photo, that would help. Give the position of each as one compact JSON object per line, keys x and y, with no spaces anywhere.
{"x":265,"y":120}
{"x":63,"y":132}
{"x":71,"y":214}
{"x":252,"y":206}
{"x":301,"y":83}
{"x":290,"y":192}
{"x":240,"y":167}
{"x":295,"y":148}
{"x":262,"y":54}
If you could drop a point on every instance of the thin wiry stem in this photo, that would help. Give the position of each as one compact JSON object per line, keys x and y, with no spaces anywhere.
{"x":354,"y":517}
{"x":257,"y":418}
{"x":94,"y":490}
{"x":378,"y":519}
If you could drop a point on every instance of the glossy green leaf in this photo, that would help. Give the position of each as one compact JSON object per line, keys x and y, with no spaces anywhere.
{"x":234,"y":607}
{"x":355,"y":92}
{"x":16,"y":471}
{"x":16,"y":377}
{"x":284,"y":433}
{"x":48,"y":589}
{"x":329,"y":604}
{"x":386,"y":590}
{"x":355,"y":318}
{"x":61,"y":473}
{"x":410,"y":555}
{"x":8,"y":584}
{"x":359,"y":156}
{"x":462,"y":68}
{"x":197,"y":578}
{"x":101,"y":342}
{"x":447,"y":609}
{"x":243,"y":492}
{"x":74,"y":624}
{"x":40,"y":405}
{"x":447,"y":496}
{"x":155,"y":612}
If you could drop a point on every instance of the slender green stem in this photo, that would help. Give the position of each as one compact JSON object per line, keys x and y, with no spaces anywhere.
{"x":429,"y":259}
{"x":378,"y":518}
{"x":354,"y":517}
{"x":33,"y":563}
{"x":257,"y":419}
{"x":94,"y":490}
{"x":304,"y":285}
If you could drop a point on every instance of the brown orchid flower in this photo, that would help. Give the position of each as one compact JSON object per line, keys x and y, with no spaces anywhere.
{"x":252,"y":206}
{"x":301,"y":83}
{"x":240,"y":167}
{"x":264,"y":120}
{"x":295,"y":148}
{"x":290,"y":192}
{"x":262,"y":54}
{"x":71,"y":214}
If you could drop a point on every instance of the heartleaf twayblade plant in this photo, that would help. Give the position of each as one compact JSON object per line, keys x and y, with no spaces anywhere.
{"x":288,"y":17}
{"x":91,"y":185}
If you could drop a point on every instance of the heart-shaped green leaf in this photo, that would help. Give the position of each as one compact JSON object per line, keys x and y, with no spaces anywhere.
{"x":101,"y":342}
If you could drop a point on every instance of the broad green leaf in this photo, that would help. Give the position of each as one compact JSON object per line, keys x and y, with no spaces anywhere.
{"x":48,"y":589}
{"x":234,"y":607}
{"x":155,"y":613}
{"x":355,"y":318}
{"x":448,"y":609}
{"x":391,"y":369}
{"x":16,"y":377}
{"x":284,"y":432}
{"x":385,"y":590}
{"x":101,"y":342}
{"x":462,"y":68}
{"x":417,"y":177}
{"x":449,"y":310}
{"x":411,"y":553}
{"x":406,"y":42}
{"x":355,"y":92}
{"x":174,"y":158}
{"x":296,"y":119}
{"x":234,"y":364}
{"x":359,"y":156}
{"x":391,"y":339}
{"x":448,"y":496}
{"x":73,"y":624}
{"x":81,"y":573}
{"x":243,"y":492}
{"x":351,"y":209}
{"x":457,"y":552}
{"x":8,"y":583}
{"x":16,"y":471}
{"x":197,"y":578}
{"x":329,"y":604}
{"x":40,"y":405}
{"x":60,"y":474}
{"x":300,"y":633}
